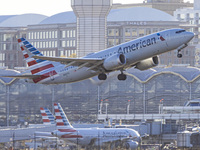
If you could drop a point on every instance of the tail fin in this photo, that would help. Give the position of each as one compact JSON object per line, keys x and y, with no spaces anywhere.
{"x":62,"y":121}
{"x":28,"y":51}
{"x":37,"y":66}
{"x":47,"y":117}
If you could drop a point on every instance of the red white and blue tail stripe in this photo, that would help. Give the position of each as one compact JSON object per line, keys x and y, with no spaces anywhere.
{"x":47,"y":117}
{"x":62,"y":121}
{"x":41,"y":67}
{"x":63,"y":124}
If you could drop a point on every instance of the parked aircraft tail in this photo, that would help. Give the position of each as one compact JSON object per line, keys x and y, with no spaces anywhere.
{"x":47,"y":116}
{"x":62,"y":121}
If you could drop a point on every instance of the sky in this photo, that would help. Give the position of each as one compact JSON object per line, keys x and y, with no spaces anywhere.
{"x":45,"y":7}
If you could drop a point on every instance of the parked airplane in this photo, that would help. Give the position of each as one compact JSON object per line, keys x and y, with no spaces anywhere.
{"x":140,"y":53}
{"x":88,"y":137}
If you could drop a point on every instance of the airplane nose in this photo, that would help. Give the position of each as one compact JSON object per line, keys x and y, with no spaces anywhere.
{"x":189,"y":35}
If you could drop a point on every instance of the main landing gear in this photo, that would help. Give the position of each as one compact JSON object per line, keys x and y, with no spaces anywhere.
{"x":102,"y":76}
{"x":121,"y":76}
{"x":179,"y":55}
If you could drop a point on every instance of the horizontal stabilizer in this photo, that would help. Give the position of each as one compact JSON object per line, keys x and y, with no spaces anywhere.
{"x":21,"y":76}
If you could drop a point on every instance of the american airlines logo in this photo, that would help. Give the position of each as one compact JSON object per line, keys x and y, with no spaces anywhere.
{"x":135,"y":46}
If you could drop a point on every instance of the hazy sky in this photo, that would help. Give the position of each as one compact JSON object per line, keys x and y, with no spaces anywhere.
{"x":45,"y":7}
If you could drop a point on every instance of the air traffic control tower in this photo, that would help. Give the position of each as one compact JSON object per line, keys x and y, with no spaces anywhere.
{"x":91,"y":24}
{"x":197,"y":4}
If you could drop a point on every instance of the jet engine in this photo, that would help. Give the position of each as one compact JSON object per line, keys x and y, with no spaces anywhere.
{"x":114,"y":62}
{"x":147,"y":63}
{"x":131,"y":145}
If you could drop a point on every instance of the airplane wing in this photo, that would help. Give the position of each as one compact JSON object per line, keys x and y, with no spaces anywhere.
{"x":92,"y":63}
{"x":21,"y":76}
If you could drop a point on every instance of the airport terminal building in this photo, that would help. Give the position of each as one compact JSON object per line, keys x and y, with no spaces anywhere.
{"x":82,"y":101}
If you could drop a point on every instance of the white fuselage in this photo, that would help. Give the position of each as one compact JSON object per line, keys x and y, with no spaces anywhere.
{"x":99,"y":136}
{"x":134,"y":51}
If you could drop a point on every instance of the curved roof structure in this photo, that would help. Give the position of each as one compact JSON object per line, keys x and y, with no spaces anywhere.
{"x":64,"y":17}
{"x":187,"y":73}
{"x":21,"y":20}
{"x":126,"y":14}
{"x":139,"y":14}
{"x":7,"y":81}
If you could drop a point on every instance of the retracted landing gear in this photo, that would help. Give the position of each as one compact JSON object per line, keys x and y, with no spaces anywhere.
{"x":179,"y":55}
{"x":102,"y":76}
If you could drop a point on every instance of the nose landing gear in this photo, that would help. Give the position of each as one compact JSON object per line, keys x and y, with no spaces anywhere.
{"x":179,"y":55}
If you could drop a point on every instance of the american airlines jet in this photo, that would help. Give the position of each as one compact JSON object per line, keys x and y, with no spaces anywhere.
{"x":88,"y":137}
{"x":141,"y":53}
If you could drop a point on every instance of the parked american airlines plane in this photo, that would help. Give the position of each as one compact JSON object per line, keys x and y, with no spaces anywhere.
{"x":88,"y":137}
{"x":140,"y":53}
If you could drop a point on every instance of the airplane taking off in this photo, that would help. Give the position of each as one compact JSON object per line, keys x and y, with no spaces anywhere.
{"x":140,"y":53}
{"x":88,"y":137}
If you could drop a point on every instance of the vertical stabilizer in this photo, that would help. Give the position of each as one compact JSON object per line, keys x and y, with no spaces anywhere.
{"x":41,"y":67}
{"x":47,"y":117}
{"x":62,"y":121}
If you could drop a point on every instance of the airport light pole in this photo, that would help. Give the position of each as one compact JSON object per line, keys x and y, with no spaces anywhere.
{"x":128,"y":106}
{"x":100,"y":107}
{"x":161,"y":106}
{"x":106,"y":103}
{"x":8,"y":104}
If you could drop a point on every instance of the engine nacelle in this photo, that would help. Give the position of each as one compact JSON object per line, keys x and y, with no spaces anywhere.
{"x":131,"y":145}
{"x":147,"y":63}
{"x":114,"y":62}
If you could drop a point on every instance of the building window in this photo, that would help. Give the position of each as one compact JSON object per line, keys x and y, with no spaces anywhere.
{"x":54,"y":53}
{"x":74,"y":33}
{"x":111,"y":42}
{"x":47,"y":35}
{"x":50,"y":34}
{"x":116,"y":32}
{"x":49,"y":44}
{"x":44,"y":35}
{"x":141,"y":32}
{"x":40,"y":35}
{"x":148,"y":31}
{"x":40,"y":44}
{"x":68,"y":33}
{"x":155,"y":30}
{"x":63,"y":34}
{"x":53,"y":35}
{"x":63,"y":44}
{"x":56,"y":34}
{"x":127,"y":32}
{"x":110,"y":32}
{"x":134,"y":32}
{"x":74,"y":43}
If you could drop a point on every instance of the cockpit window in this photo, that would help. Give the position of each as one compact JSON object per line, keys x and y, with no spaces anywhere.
{"x":180,"y":31}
